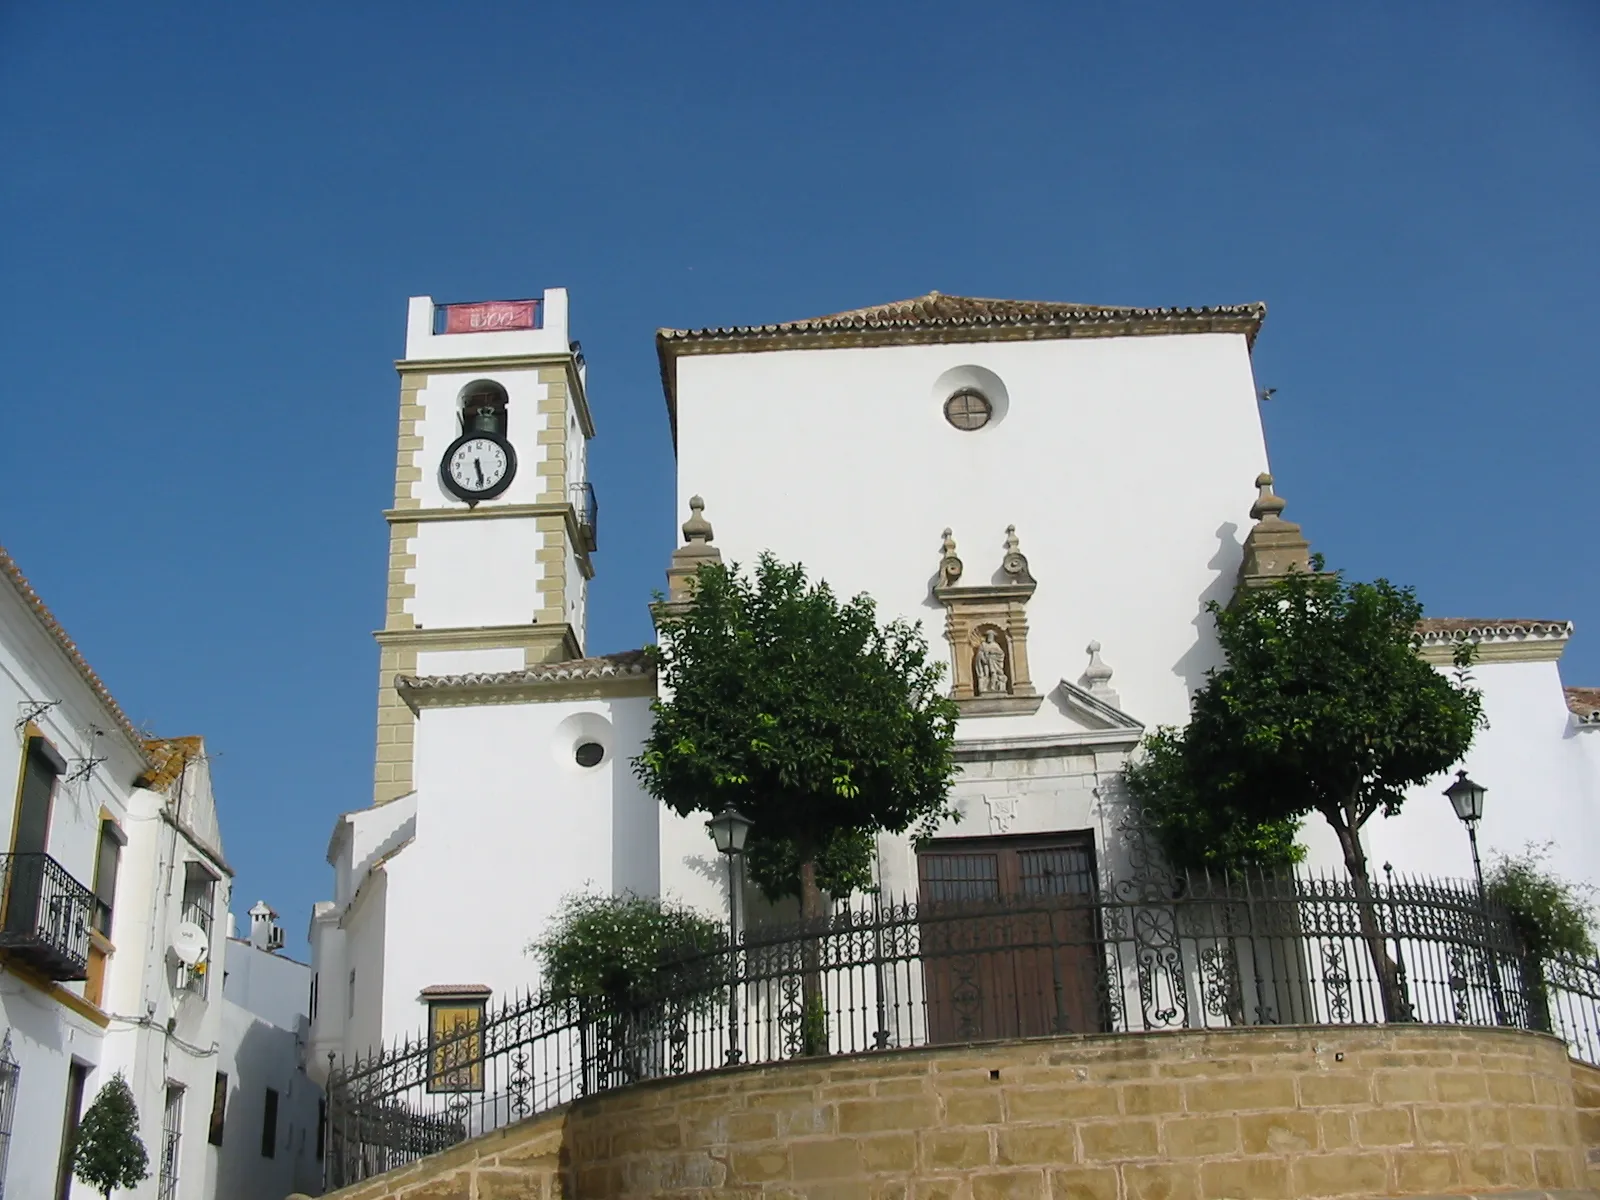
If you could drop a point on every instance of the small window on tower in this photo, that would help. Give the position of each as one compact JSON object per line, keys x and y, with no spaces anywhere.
{"x":483,"y":408}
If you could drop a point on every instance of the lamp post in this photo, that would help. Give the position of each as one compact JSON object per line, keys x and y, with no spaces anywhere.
{"x":1466,"y":797}
{"x":729,"y":828}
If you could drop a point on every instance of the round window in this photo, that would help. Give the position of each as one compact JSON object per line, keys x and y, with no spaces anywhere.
{"x":968,"y":409}
{"x":589,"y":754}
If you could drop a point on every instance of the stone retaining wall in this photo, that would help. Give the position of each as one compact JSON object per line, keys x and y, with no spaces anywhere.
{"x":1261,"y":1114}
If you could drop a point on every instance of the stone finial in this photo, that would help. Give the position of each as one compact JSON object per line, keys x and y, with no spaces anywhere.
{"x":688,"y":558}
{"x":1268,"y":506}
{"x":1097,"y":677}
{"x":950,"y":567}
{"x":1015,"y":563}
{"x":1274,"y":547}
{"x":697,"y":528}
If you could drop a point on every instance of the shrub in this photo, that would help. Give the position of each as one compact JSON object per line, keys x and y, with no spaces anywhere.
{"x":628,"y":950}
{"x":1551,"y":915}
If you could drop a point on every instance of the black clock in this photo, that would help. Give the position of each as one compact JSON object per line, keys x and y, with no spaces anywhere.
{"x":479,"y":465}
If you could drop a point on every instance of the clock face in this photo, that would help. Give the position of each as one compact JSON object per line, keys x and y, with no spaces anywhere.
{"x":479,"y":466}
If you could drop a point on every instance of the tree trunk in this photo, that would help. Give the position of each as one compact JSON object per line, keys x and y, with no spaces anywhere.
{"x":1396,"y":1006}
{"x":813,"y":1011}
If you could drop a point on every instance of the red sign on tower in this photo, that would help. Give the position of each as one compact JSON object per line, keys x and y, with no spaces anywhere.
{"x":490,"y":316}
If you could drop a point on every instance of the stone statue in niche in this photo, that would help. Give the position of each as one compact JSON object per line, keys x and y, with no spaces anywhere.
{"x":989,"y":666}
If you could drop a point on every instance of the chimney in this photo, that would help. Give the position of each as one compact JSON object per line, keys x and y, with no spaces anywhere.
{"x":264,"y":931}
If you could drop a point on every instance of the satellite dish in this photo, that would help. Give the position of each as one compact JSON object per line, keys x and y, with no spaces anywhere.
{"x":190,"y":944}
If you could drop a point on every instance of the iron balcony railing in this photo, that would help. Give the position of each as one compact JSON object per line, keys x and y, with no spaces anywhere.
{"x":1153,"y":953}
{"x":47,"y":915}
{"x":587,"y":511}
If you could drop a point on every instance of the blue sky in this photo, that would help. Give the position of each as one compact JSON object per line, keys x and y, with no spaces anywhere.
{"x":213,"y":218}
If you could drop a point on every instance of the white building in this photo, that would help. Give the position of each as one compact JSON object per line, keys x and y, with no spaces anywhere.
{"x":1056,"y":491}
{"x":269,"y":1136}
{"x":110,"y":951}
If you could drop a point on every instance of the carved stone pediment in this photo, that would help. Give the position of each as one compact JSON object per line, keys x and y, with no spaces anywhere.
{"x":986,"y":626}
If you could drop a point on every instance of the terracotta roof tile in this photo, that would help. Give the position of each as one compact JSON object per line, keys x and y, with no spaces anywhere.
{"x":1522,"y":625}
{"x":1584,"y":704}
{"x":937,"y":318}
{"x":19,"y":582}
{"x":622,"y":664}
{"x":456,"y":989}
{"x":167,"y":756}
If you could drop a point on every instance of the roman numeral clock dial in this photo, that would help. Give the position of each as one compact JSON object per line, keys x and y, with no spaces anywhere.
{"x":479,"y":466}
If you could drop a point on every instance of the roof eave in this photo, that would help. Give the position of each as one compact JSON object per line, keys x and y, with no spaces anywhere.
{"x":823,"y":334}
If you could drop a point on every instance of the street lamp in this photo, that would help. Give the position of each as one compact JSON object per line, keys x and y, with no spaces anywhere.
{"x":729,"y":828}
{"x":1466,"y":798}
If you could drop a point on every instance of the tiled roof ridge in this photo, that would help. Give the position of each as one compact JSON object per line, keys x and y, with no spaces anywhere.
{"x":52,"y":626}
{"x":1584,"y":703}
{"x":935,"y":309}
{"x":620,"y":664}
{"x":1439,"y":629}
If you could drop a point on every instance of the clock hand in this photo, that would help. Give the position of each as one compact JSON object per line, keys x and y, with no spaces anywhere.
{"x":478,"y":467}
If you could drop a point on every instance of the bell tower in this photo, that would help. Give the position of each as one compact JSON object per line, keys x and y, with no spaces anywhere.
{"x":493,"y":520}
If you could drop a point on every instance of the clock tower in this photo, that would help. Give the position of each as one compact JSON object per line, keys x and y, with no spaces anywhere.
{"x":493,"y":520}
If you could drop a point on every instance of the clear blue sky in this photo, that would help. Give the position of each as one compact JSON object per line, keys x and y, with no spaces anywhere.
{"x":213,"y":215}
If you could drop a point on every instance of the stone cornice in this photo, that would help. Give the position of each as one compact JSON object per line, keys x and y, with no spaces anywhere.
{"x":483,"y":637}
{"x":491,"y":511}
{"x":469,"y":366}
{"x":1584,"y":705}
{"x":1512,"y":640}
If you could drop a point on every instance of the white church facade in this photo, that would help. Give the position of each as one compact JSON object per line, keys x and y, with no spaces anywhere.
{"x":1055,"y":491}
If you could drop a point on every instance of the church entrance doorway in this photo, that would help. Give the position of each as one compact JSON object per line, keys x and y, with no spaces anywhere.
{"x":1010,"y":936}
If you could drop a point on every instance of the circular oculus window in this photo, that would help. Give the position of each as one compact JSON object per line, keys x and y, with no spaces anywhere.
{"x":589,"y":754}
{"x":968,"y":409}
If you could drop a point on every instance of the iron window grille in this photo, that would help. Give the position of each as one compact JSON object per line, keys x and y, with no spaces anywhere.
{"x":10,"y":1075}
{"x":171,"y":1143}
{"x":968,"y":409}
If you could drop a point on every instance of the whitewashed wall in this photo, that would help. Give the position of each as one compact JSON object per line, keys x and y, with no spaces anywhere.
{"x":1126,"y":464}
{"x":1543,"y":781}
{"x":507,"y":825}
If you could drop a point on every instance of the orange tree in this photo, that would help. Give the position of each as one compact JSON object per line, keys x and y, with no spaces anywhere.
{"x":1322,"y":707}
{"x":818,"y":723}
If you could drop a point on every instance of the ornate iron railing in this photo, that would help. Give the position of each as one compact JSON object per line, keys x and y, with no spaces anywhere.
{"x":46,"y":915}
{"x":1141,"y":956}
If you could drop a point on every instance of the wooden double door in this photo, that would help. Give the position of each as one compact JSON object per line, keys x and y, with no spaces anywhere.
{"x":1010,"y":937}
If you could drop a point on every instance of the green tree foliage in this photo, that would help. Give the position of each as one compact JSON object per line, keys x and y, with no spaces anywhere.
{"x":108,"y":1152}
{"x":1552,"y":916}
{"x":626,"y":950}
{"x":1323,"y":706}
{"x":802,"y":712}
{"x":844,"y":865}
{"x":1209,"y":835}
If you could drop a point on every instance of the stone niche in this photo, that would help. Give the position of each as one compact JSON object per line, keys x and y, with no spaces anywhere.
{"x":987,"y":628}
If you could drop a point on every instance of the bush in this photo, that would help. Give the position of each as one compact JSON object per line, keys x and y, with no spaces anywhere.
{"x":1551,"y":915}
{"x":628,"y":950}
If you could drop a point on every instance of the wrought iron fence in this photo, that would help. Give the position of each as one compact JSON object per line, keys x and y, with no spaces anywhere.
{"x":1193,"y":953}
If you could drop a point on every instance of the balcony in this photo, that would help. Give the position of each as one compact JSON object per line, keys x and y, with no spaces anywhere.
{"x":586,"y":510}
{"x":47,"y":916}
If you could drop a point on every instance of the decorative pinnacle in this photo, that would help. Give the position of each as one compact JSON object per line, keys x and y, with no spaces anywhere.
{"x":1097,"y":671}
{"x":1268,"y":506}
{"x":1012,"y":544}
{"x":697,"y":528}
{"x":1097,"y":677}
{"x":949,"y":546}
